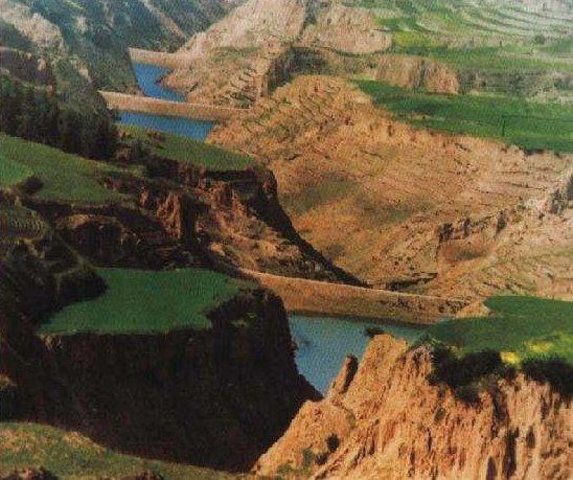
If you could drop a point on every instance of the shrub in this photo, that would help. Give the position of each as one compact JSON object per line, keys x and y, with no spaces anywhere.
{"x":457,"y":372}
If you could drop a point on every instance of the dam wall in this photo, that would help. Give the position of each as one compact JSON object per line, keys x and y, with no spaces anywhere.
{"x":140,"y":104}
{"x":323,"y":298}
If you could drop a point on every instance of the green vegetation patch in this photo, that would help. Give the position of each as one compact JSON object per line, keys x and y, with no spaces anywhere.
{"x":140,"y":301}
{"x":186,"y":150}
{"x":12,"y":173}
{"x":63,"y":176}
{"x":520,"y":328}
{"x":70,"y":455}
{"x":511,"y":119}
{"x":530,"y":334}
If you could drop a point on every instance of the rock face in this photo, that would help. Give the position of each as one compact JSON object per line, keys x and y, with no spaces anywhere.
{"x":417,"y":72}
{"x":217,"y":397}
{"x":346,"y":29}
{"x":390,"y":422}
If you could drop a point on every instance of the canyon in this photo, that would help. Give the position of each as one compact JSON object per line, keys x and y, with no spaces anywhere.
{"x":311,"y":196}
{"x":438,"y":214}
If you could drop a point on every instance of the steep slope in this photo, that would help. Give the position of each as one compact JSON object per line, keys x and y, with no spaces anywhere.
{"x":87,"y":41}
{"x":394,"y":195}
{"x":238,"y":60}
{"x":214,"y":394}
{"x":383,"y":419}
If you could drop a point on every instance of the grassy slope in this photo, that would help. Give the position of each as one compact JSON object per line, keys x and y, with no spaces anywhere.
{"x":528,"y":125}
{"x":187,"y":150}
{"x":521,"y":328}
{"x":64,"y":176}
{"x":12,"y":173}
{"x":140,"y":301}
{"x":70,"y":455}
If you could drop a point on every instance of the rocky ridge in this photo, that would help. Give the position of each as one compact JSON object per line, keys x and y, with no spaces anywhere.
{"x":384,"y":419}
{"x":232,"y":62}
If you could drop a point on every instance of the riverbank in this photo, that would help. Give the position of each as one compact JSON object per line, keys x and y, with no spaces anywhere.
{"x":161,"y":59}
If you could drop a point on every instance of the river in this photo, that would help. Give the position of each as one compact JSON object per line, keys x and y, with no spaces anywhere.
{"x":322,"y":342}
{"x":148,"y":78}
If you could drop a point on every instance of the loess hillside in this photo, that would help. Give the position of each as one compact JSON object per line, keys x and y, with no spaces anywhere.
{"x":412,"y":208}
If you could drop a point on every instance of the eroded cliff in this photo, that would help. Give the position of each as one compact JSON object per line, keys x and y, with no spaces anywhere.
{"x":215,"y":397}
{"x":384,"y":419}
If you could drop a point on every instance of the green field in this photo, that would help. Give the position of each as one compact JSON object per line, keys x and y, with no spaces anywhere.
{"x":12,"y":173}
{"x":64,"y":176}
{"x":520,"y":328}
{"x":187,"y":150}
{"x":452,"y":21}
{"x":528,"y":125}
{"x":139,"y":301}
{"x":69,"y":455}
{"x":492,"y":46}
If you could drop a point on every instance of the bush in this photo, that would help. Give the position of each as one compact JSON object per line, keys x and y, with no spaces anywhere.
{"x":457,"y":372}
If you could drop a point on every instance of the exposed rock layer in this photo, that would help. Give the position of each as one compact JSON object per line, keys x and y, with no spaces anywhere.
{"x":234,"y":61}
{"x":417,"y":73}
{"x":387,"y":421}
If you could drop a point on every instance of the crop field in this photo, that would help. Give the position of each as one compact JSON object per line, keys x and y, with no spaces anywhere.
{"x":473,"y":21}
{"x":514,"y":120}
{"x":70,"y":455}
{"x":64,"y":176}
{"x":520,"y":328}
{"x":138,"y":301}
{"x":187,"y":150}
{"x":509,"y":46}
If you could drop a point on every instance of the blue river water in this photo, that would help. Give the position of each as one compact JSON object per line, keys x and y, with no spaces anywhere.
{"x":323,"y":343}
{"x":148,"y":77}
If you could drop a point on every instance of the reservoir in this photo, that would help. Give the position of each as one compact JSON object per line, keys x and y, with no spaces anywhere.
{"x":148,"y":78}
{"x":324,"y":342}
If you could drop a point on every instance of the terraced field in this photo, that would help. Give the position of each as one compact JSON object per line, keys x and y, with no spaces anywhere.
{"x":138,"y":301}
{"x":62,"y":176}
{"x":509,"y":46}
{"x":472,"y":21}
{"x":372,"y":192}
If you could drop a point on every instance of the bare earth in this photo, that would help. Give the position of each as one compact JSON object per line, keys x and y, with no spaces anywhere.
{"x":411,"y":209}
